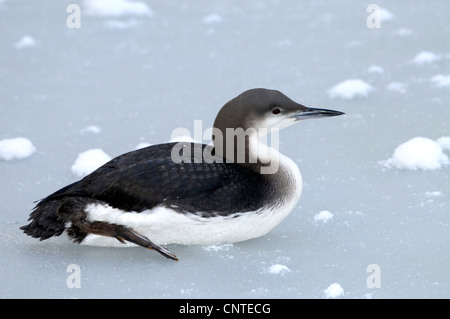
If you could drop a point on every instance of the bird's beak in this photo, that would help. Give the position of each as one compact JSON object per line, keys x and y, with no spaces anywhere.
{"x":312,"y":113}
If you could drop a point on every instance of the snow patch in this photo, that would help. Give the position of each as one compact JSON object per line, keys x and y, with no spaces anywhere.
{"x":116,"y":8}
{"x":375,"y":69}
{"x":355,"y":213}
{"x":25,"y":42}
{"x":278,"y":269}
{"x":142,"y":145}
{"x":182,"y":138}
{"x":89,"y":161}
{"x":386,"y":15}
{"x":433,"y":194}
{"x":418,"y":153}
{"x":350,"y":88}
{"x":397,"y":87}
{"x":91,"y":129}
{"x":404,"y":32}
{"x":212,"y":18}
{"x":121,"y":25}
{"x":425,"y":57}
{"x":368,"y":295}
{"x":324,"y":216}
{"x":444,"y":142}
{"x":16,"y":148}
{"x":441,"y":80}
{"x":333,"y":291}
{"x":260,"y":291}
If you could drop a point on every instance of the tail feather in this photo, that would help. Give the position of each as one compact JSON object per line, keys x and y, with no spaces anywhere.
{"x":44,"y":221}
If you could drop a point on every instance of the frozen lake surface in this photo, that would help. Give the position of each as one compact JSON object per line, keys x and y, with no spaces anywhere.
{"x":135,"y":71}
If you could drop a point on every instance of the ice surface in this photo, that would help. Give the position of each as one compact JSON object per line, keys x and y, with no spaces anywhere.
{"x":88,"y":161}
{"x":404,"y":32}
{"x":222,"y":247}
{"x":139,"y":77}
{"x":418,"y":153}
{"x":16,"y":148}
{"x":350,"y":88}
{"x":334,"y":291}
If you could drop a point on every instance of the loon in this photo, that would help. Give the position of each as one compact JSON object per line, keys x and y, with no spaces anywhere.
{"x":236,"y":189}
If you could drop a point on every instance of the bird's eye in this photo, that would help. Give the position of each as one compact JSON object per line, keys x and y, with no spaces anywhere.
{"x":276,"y":111}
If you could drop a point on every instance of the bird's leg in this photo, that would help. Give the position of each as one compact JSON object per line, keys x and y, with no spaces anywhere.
{"x":70,"y":210}
{"x":122,"y":234}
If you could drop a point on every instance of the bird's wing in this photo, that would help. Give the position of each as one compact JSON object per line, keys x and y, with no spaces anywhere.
{"x":142,"y":179}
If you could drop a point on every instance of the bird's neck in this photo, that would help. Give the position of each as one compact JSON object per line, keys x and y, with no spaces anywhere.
{"x":248,"y":148}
